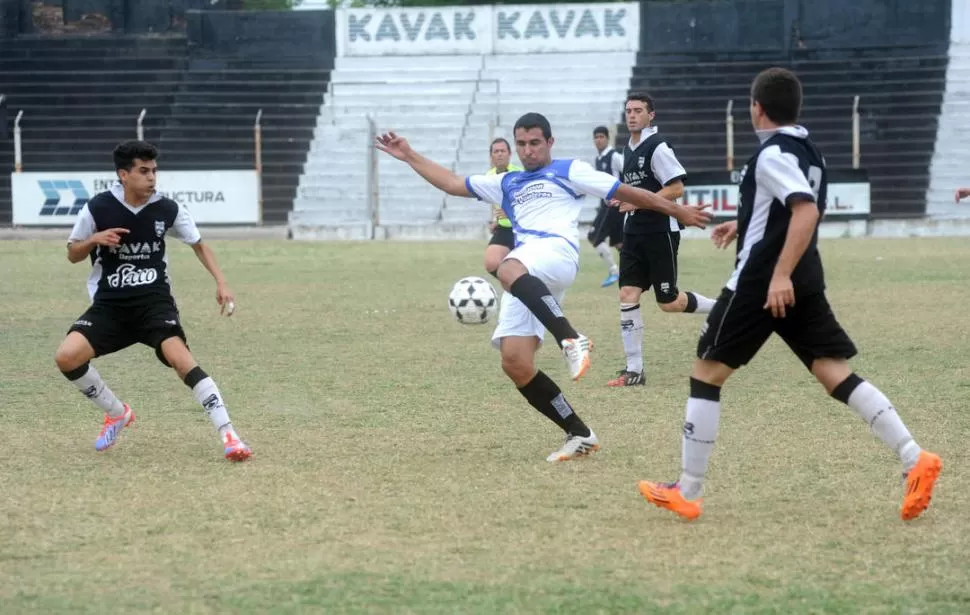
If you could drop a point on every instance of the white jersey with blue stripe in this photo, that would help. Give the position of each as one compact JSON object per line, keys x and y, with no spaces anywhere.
{"x":545,"y":203}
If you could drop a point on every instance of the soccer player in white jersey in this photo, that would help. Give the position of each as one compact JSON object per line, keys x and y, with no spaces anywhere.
{"x":543,"y":203}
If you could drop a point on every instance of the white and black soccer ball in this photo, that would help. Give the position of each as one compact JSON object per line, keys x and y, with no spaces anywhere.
{"x":473,"y":301}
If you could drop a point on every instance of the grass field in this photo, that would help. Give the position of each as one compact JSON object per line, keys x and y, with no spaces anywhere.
{"x":396,"y":470}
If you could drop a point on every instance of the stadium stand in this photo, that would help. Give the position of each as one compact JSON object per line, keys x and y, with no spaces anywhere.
{"x":449,"y":106}
{"x":426,"y":99}
{"x":948,"y":168}
{"x":901,"y":89}
{"x":81,"y":96}
{"x":201,"y":93}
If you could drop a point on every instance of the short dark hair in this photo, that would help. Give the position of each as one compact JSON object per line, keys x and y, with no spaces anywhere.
{"x":534,"y":120}
{"x":499,"y":140}
{"x":601,"y":130}
{"x":126,"y":153}
{"x":779,"y":92}
{"x":642,"y":97}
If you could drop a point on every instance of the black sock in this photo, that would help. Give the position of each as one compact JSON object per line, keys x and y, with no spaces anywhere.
{"x":194,"y":377}
{"x":534,"y":293}
{"x":546,"y":397}
{"x":691,"y":302}
{"x":845,"y":388}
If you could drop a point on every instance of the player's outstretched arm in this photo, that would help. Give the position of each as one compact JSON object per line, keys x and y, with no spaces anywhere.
{"x":223,"y":294}
{"x":672,"y":191}
{"x":688,"y":215}
{"x":435,"y":174}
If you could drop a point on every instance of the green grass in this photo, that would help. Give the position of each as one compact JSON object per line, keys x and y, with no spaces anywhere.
{"x":397,"y":470}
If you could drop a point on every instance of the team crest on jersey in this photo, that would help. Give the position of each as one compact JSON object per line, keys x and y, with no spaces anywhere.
{"x":159,"y":227}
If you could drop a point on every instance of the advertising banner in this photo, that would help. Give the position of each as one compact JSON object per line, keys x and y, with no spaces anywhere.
{"x":848,"y":193}
{"x":477,"y":30}
{"x":212,"y":197}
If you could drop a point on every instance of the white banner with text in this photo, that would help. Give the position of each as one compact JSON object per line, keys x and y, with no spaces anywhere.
{"x":843,"y":199}
{"x":212,"y":197}
{"x":475,"y":30}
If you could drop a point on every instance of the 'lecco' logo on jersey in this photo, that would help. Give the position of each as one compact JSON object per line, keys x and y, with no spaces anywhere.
{"x":129,"y":275}
{"x":53,"y":188}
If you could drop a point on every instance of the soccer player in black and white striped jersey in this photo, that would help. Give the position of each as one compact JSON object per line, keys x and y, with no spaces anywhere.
{"x":651,"y":240}
{"x":778,"y":287}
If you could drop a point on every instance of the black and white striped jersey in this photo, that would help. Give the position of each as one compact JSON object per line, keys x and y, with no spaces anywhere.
{"x":787,"y":168}
{"x":651,"y":165}
{"x":138,"y":266}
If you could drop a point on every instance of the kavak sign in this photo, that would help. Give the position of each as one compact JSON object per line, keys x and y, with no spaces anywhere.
{"x":488,"y":29}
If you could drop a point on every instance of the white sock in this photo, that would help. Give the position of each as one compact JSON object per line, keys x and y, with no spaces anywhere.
{"x":878,"y":412}
{"x":94,"y":388}
{"x":607,"y":255}
{"x":207,"y":393}
{"x":631,"y":330}
{"x":704,"y":305}
{"x":700,"y":432}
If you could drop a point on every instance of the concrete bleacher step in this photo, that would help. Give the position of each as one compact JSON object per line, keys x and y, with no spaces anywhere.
{"x":449,"y":122}
{"x":357,"y":64}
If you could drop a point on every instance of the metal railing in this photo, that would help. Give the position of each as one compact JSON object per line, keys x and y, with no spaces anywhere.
{"x":729,"y":134}
{"x":140,"y":135}
{"x":373,"y":118}
{"x":140,"y":126}
{"x":258,"y":160}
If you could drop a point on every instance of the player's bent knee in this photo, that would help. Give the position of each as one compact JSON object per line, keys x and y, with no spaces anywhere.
{"x":511,"y":270}
{"x":670,"y":304}
{"x":177,"y":355}
{"x":630,"y":294}
{"x":711,"y":372}
{"x":492,"y":262}
{"x":831,"y":372}
{"x":73,"y":352}
{"x":519,"y":369}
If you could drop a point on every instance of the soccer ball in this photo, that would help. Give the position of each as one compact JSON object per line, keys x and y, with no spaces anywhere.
{"x":473,"y":301}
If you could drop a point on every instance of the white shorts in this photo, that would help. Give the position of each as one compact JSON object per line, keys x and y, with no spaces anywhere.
{"x":554,"y":262}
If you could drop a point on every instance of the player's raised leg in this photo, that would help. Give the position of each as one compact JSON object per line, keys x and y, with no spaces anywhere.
{"x":73,"y":358}
{"x":920,"y":468}
{"x":534,"y":293}
{"x":177,"y":354}
{"x":518,"y":363}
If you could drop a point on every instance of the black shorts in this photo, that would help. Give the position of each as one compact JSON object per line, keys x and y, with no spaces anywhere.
{"x":651,"y":260}
{"x":113,"y":326}
{"x":503,"y":236}
{"x":608,"y":225}
{"x":739,"y":325}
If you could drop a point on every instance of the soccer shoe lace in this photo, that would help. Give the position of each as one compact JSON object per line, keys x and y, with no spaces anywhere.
{"x":576,"y":352}
{"x":626,"y":378}
{"x":574,"y":447}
